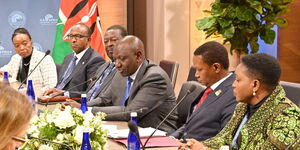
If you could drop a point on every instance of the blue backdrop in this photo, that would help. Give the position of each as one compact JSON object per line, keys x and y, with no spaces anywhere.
{"x":38,"y":16}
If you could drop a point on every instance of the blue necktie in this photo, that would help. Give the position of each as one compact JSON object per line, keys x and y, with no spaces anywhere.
{"x":95,"y":89}
{"x":127,"y":91}
{"x":67,"y":73}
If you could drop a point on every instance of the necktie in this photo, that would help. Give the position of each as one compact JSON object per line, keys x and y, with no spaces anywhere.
{"x":127,"y":91}
{"x":67,"y":73}
{"x":205,"y":94}
{"x":95,"y":89}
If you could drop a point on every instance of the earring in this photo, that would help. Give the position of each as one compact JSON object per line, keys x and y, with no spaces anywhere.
{"x":254,"y":93}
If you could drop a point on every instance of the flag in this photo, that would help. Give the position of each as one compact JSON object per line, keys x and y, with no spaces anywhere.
{"x":70,"y":13}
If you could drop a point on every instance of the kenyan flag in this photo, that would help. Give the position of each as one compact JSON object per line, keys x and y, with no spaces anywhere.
{"x":70,"y":13}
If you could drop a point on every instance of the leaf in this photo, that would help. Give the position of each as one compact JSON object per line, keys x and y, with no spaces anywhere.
{"x":256,"y":5}
{"x":243,"y":13}
{"x":205,"y":23}
{"x":281,"y":22}
{"x":268,"y":36}
{"x":224,"y":22}
{"x":228,"y":32}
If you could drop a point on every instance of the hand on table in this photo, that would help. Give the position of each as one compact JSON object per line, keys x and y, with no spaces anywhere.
{"x":53,"y":92}
{"x":71,"y":103}
{"x":192,"y":144}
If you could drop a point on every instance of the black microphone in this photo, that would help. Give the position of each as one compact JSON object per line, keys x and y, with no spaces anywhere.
{"x":29,"y":136}
{"x":47,"y":53}
{"x":127,"y":113}
{"x":59,"y":93}
{"x":134,"y":129}
{"x":192,"y":88}
{"x":289,"y":146}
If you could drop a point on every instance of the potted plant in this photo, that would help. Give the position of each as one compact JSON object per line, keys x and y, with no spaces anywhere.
{"x":241,"y":22}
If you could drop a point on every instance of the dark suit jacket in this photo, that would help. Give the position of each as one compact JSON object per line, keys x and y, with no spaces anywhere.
{"x":106,"y":83}
{"x":212,"y":115}
{"x":84,"y":70}
{"x":152,"y":88}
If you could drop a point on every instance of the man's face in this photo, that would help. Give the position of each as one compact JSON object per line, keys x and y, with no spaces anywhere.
{"x":79,"y":39}
{"x":127,"y":61}
{"x":23,"y":45}
{"x":205,"y":74}
{"x":111,"y":37}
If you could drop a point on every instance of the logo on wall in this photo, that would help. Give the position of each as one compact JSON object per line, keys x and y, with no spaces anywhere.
{"x":17,"y":19}
{"x":38,"y":47}
{"x":5,"y":53}
{"x":48,"y":20}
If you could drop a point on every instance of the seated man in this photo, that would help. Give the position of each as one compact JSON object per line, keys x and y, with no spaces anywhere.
{"x":138,"y":84}
{"x":81,"y":65}
{"x":211,"y":109}
{"x":264,"y":118}
{"x":105,"y":72}
{"x":21,"y":64}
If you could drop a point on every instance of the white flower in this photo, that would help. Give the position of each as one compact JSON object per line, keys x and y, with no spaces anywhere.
{"x":34,"y":119}
{"x":45,"y":147}
{"x":60,"y":137}
{"x":64,"y":120}
{"x":33,"y":130}
{"x":78,"y":134}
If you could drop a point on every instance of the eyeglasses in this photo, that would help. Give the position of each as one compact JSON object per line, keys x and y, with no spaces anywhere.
{"x":76,"y":36}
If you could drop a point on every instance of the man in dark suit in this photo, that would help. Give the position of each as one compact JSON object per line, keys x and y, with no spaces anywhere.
{"x":211,"y":109}
{"x":105,"y":72}
{"x":139,"y":83}
{"x":81,"y":65}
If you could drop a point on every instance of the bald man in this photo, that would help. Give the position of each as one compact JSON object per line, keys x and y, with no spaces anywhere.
{"x":139,"y":83}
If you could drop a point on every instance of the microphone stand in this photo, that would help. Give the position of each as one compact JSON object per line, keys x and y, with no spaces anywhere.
{"x":133,"y":128}
{"x":47,"y":53}
{"x":49,"y":141}
{"x":192,"y":88}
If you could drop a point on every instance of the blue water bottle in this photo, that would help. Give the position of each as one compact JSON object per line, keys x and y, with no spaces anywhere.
{"x":86,"y":145}
{"x":133,"y":142}
{"x":5,"y":78}
{"x":83,"y":106}
{"x":31,"y":94}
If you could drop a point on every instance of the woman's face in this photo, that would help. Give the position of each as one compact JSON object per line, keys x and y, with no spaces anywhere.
{"x":23,"y":45}
{"x":14,"y":143}
{"x":243,"y":85}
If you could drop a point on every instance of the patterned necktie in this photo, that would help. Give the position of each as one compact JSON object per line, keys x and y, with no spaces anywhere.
{"x":95,"y":89}
{"x":203,"y":97}
{"x":67,"y":73}
{"x":127,"y":91}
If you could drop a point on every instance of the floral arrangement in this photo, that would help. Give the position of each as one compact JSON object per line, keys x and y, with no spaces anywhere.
{"x":67,"y":127}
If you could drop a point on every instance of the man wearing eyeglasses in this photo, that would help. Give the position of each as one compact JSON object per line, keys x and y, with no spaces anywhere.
{"x":81,"y":65}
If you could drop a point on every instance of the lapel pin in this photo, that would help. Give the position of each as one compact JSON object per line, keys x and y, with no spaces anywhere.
{"x":83,"y":63}
{"x":218,"y":92}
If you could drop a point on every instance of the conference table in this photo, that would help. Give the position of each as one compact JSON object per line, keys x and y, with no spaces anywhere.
{"x":112,"y":145}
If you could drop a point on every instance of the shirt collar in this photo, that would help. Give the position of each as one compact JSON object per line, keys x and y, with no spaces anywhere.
{"x":133,"y":76}
{"x":215,"y":85}
{"x":80,"y":55}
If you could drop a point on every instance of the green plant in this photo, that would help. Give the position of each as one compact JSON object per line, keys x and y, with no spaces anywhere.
{"x":240,"y":22}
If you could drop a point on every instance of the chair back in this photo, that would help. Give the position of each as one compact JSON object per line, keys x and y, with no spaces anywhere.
{"x":171,"y":68}
{"x":191,"y":76}
{"x":292,"y":91}
{"x":183,"y":108}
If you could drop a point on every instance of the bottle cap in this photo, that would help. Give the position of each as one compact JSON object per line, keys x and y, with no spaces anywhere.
{"x":133,"y":114}
{"x":83,"y":95}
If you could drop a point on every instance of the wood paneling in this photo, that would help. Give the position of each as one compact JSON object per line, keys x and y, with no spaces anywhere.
{"x":112,"y":12}
{"x":289,"y":45}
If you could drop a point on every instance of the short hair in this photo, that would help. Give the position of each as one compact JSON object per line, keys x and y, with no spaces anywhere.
{"x":264,"y":67}
{"x":213,"y":52}
{"x":123,"y":31}
{"x":15,"y":113}
{"x":20,"y":31}
{"x":89,"y":31}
